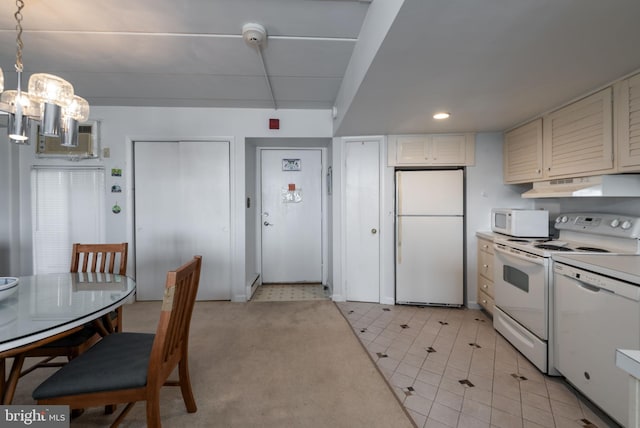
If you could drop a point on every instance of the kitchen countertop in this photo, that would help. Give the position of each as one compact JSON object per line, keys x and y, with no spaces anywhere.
{"x":624,"y":267}
{"x":629,"y":361}
{"x":486,"y":234}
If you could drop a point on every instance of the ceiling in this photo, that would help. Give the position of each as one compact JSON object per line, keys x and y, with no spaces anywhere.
{"x":491,"y":63}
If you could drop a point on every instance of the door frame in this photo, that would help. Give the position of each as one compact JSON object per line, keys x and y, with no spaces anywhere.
{"x":386,"y":226}
{"x":324,"y":235}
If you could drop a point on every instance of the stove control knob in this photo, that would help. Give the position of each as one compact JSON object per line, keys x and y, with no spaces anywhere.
{"x":626,"y":225}
{"x":615,"y":222}
{"x":562,"y":219}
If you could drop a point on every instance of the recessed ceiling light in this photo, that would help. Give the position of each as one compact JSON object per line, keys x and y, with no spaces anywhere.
{"x":441,"y":115}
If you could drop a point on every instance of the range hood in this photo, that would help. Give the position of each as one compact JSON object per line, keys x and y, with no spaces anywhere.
{"x":618,"y":185}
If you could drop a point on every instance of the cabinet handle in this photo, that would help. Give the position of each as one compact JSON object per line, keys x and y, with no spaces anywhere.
{"x":484,"y":301}
{"x":538,"y":171}
{"x":485,"y":246}
{"x":485,"y":266}
{"x":485,"y":286}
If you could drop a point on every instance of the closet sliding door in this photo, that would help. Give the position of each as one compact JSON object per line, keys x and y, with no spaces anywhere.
{"x":182,"y":209}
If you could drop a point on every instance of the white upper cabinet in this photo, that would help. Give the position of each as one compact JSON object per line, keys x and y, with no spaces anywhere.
{"x":522,"y":153}
{"x":628,"y":123}
{"x":578,"y":139}
{"x":431,"y":149}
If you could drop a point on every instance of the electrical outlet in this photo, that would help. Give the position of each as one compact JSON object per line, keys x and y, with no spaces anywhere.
{"x":106,"y":152}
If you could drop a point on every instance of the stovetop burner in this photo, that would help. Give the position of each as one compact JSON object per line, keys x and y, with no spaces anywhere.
{"x":552,"y":247}
{"x":593,"y":249}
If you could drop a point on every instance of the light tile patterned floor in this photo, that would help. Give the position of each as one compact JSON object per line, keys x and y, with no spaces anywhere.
{"x":450,"y":368}
{"x":289,"y":292}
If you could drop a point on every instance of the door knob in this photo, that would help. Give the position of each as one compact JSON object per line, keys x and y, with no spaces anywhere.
{"x":266,"y":223}
{"x":374,"y":231}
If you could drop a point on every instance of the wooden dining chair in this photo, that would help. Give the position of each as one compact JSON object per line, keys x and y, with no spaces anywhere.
{"x":128,"y":367}
{"x":93,"y":258}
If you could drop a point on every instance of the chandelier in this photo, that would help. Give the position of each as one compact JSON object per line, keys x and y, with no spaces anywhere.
{"x":49,"y":100}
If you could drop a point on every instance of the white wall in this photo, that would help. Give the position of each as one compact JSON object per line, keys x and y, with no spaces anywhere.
{"x":119,"y":126}
{"x":10,"y":219}
{"x":485,"y":190}
{"x":5,"y":195}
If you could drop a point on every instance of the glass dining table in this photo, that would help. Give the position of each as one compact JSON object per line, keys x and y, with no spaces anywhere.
{"x":43,"y":308}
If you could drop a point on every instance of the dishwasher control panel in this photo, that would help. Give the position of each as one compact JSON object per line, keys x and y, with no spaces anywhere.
{"x":597,"y":282}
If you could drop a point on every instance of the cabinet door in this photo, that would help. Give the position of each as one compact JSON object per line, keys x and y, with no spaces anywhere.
{"x":485,"y":275}
{"x":628,"y":118}
{"x":578,"y":139}
{"x":448,"y":149}
{"x":431,"y":149}
{"x":412,"y":149}
{"x":522,"y":153}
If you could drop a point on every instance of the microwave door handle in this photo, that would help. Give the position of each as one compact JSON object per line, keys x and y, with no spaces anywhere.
{"x":518,"y":255}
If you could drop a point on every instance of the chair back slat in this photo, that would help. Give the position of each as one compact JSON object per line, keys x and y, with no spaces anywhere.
{"x":172,"y":335}
{"x":99,"y":258}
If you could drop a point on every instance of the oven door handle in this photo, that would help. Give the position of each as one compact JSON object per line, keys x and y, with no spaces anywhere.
{"x":518,"y":254}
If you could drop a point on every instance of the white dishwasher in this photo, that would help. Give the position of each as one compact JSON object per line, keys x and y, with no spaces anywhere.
{"x":597,"y":310}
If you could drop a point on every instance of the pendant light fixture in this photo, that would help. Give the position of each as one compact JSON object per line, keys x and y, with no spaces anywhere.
{"x":77,"y":111}
{"x":50,"y":99}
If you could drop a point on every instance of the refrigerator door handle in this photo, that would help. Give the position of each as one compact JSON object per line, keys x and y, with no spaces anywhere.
{"x":399,"y":193}
{"x":399,"y":246}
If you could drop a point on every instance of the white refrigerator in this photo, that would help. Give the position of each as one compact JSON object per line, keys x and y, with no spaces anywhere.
{"x":429,"y":237}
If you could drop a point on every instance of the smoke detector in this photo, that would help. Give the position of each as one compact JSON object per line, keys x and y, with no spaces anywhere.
{"x":254,"y":34}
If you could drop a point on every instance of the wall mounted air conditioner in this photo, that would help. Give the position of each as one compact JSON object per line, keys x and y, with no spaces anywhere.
{"x":87,"y":144}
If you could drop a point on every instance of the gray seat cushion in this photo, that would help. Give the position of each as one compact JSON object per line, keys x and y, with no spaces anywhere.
{"x":118,"y":361}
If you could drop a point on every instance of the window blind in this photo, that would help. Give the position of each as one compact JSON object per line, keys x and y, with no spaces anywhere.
{"x":68,"y":205}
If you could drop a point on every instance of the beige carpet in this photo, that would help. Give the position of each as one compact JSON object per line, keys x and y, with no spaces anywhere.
{"x":276,"y":364}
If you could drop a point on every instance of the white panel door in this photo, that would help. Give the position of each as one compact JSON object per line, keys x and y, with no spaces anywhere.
{"x":182,"y":206}
{"x":362,"y":220}
{"x":429,"y":267}
{"x":291,"y":218}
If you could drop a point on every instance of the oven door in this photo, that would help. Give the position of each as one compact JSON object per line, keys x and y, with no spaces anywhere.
{"x":521,"y":287}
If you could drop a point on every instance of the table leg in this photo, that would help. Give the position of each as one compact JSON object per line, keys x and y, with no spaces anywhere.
{"x":3,"y":379}
{"x":12,"y":382}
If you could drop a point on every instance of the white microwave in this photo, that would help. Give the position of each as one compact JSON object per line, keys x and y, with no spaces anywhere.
{"x":520,"y":222}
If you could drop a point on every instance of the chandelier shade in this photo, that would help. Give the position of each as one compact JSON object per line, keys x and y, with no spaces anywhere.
{"x":47,"y":88}
{"x":76,"y":111}
{"x":9,"y":103}
{"x":50,"y":99}
{"x":53,"y":93}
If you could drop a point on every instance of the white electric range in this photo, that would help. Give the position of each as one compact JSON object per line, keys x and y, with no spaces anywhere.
{"x":523,"y":277}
